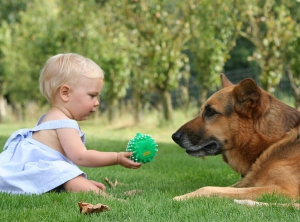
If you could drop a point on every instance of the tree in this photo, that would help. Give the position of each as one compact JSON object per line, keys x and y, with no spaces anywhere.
{"x":214,"y":27}
{"x":9,"y":14}
{"x":267,"y":28}
{"x":101,"y":36}
{"x":25,"y":47}
{"x":239,"y":55}
{"x":291,"y":48}
{"x":160,"y":35}
{"x":115,"y":55}
{"x":292,"y":60}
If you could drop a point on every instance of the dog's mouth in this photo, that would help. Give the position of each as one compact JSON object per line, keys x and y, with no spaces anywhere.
{"x":210,"y":148}
{"x":195,"y":146}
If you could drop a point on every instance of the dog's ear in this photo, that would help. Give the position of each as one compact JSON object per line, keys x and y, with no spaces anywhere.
{"x":225,"y":81}
{"x":248,"y":96}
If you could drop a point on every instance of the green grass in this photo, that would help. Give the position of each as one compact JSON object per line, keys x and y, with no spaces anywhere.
{"x":171,"y":173}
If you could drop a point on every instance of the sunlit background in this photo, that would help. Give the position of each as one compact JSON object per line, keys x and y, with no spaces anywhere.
{"x":159,"y":56}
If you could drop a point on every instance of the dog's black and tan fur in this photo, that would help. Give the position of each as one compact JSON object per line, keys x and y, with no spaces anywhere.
{"x":256,"y":134}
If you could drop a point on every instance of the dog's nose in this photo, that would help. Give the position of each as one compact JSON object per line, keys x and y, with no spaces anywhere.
{"x":176,"y":136}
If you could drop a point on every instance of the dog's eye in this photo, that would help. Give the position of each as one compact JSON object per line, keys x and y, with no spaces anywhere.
{"x":209,"y":111}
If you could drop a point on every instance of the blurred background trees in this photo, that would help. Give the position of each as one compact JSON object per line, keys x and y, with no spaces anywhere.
{"x":148,"y":49}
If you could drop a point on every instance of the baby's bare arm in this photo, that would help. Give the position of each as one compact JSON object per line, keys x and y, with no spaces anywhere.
{"x":76,"y":151}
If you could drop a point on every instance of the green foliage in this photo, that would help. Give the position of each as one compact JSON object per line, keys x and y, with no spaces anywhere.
{"x":161,"y":34}
{"x":270,"y":28}
{"x":239,"y":55}
{"x":25,"y":47}
{"x":292,"y":62}
{"x":9,"y":10}
{"x":115,"y":51}
{"x":214,"y":27}
{"x":143,"y":45}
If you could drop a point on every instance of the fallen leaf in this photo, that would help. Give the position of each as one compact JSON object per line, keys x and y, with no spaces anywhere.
{"x":87,"y":208}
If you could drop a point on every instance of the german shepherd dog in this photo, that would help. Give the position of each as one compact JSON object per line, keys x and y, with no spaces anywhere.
{"x":257,"y":136}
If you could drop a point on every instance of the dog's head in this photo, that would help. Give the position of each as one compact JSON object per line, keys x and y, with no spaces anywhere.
{"x":217,"y":127}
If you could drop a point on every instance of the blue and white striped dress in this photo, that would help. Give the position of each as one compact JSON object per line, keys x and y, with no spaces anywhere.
{"x":28,"y":166}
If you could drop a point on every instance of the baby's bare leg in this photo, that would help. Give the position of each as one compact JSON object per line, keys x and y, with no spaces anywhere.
{"x":81,"y":184}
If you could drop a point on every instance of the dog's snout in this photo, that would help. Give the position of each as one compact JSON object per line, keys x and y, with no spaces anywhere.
{"x":176,"y":136}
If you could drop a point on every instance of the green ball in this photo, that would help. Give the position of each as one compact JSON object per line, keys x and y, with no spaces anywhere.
{"x":144,"y":148}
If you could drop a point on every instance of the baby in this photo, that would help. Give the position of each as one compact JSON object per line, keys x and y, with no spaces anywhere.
{"x":45,"y":158}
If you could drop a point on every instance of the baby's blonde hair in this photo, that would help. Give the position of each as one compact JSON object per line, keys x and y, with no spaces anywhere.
{"x":63,"y":69}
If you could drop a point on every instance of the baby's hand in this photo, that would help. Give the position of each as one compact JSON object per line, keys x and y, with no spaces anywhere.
{"x":123,"y":160}
{"x":98,"y":184}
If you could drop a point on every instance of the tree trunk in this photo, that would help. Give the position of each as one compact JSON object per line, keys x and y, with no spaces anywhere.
{"x":297,"y":102}
{"x":296,"y":88}
{"x":137,"y":109}
{"x":185,"y":99}
{"x":112,"y":109}
{"x":202,"y":96}
{"x":166,"y":101}
{"x":3,"y":109}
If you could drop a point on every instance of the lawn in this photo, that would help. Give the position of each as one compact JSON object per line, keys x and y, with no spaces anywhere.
{"x":171,"y":173}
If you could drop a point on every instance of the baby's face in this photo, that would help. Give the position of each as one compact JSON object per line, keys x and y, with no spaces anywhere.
{"x":84,"y":97}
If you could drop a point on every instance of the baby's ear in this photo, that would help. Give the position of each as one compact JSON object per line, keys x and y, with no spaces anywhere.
{"x":64,"y":92}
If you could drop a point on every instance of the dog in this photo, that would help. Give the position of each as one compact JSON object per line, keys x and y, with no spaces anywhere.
{"x":257,"y":136}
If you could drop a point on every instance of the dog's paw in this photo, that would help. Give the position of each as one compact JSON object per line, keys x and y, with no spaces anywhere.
{"x":179,"y":198}
{"x":250,"y":203}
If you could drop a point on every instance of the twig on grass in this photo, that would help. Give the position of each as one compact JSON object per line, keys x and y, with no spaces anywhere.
{"x":113,"y":184}
{"x":110,"y":183}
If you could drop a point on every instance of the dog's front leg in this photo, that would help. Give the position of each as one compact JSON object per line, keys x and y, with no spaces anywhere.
{"x":232,"y":192}
{"x":202,"y":192}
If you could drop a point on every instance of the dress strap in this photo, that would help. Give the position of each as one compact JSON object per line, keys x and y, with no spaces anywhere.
{"x":57,"y":124}
{"x":21,"y":134}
